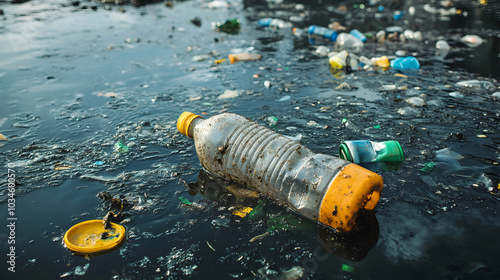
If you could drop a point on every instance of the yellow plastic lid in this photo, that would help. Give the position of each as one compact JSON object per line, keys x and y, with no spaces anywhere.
{"x":90,"y":237}
{"x":383,"y":61}
{"x":353,"y":189}
{"x":336,"y":62}
{"x":184,"y":121}
{"x":232,"y":58}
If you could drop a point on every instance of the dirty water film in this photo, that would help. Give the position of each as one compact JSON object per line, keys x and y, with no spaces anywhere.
{"x":91,"y":92}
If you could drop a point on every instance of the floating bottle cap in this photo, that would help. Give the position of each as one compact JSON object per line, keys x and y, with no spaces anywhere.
{"x":91,"y":237}
{"x":232,"y":58}
{"x":184,"y":121}
{"x":354,"y":188}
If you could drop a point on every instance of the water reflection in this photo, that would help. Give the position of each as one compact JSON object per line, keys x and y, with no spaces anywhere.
{"x":352,"y":246}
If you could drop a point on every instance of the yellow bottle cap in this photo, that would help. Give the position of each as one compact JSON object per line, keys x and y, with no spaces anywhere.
{"x":91,"y":237}
{"x":352,"y":190}
{"x":232,"y":58}
{"x":184,"y":121}
{"x":383,"y":62}
{"x":335,"y":62}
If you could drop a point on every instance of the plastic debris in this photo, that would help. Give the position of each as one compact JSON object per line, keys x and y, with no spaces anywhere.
{"x":285,"y":98}
{"x":260,"y":236}
{"x":416,"y":101}
{"x":229,"y":94}
{"x":346,"y":41}
{"x":348,"y":268}
{"x":99,"y":162}
{"x":185,"y":200}
{"x":349,"y":125}
{"x":359,"y":151}
{"x":120,"y":148}
{"x":428,"y":167}
{"x":230,"y":26}
{"x":272,"y":121}
{"x":267,"y":84}
{"x":243,"y":57}
{"x":408,"y":63}
{"x":210,"y":246}
{"x":442,"y":48}
{"x":81,"y":270}
{"x":476,"y":84}
{"x":274,"y":22}
{"x":323,"y":32}
{"x":257,"y":210}
{"x":356,"y":33}
{"x":338,"y":61}
{"x":2,"y":138}
{"x":218,"y":4}
{"x":472,"y":40}
{"x":242,"y":211}
{"x":61,"y":167}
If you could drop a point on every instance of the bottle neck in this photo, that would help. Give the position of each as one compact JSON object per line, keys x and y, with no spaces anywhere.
{"x":192,"y":125}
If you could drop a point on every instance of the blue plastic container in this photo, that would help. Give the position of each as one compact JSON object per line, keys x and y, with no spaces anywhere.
{"x":264,"y":21}
{"x":408,"y":63}
{"x":356,"y":33}
{"x":398,"y":15}
{"x":323,"y":31}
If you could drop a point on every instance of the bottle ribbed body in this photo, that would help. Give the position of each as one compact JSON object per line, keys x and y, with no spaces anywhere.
{"x":241,"y":150}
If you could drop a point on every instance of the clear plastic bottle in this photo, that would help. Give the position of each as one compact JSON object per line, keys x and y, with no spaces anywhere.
{"x":442,"y":48}
{"x":356,"y":33}
{"x":346,"y":41}
{"x":323,"y":188}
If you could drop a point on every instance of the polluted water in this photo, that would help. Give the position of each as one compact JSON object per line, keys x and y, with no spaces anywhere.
{"x":92,"y":91}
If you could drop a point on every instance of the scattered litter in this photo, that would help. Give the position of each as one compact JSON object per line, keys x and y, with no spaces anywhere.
{"x":79,"y":270}
{"x":285,"y":98}
{"x":428,"y":167}
{"x":110,"y":94}
{"x":2,"y":138}
{"x":66,"y":274}
{"x":185,"y":200}
{"x":260,"y":236}
{"x":120,"y":148}
{"x":267,"y":84}
{"x":229,"y":94}
{"x":257,"y":211}
{"x":62,"y":167}
{"x":242,"y":211}
{"x":476,"y":84}
{"x":348,"y":268}
{"x":243,"y":57}
{"x":210,"y":246}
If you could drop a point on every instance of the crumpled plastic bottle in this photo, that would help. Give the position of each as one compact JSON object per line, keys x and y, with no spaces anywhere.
{"x":320,"y":187}
{"x":442,"y":48}
{"x":472,"y":40}
{"x":405,"y":64}
{"x":346,"y":41}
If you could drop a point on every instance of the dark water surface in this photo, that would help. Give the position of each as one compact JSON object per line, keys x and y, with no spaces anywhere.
{"x":75,"y":80}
